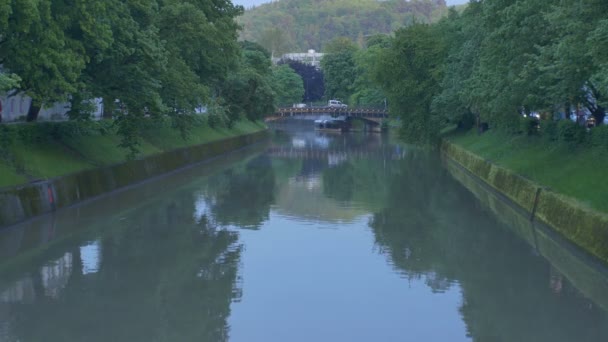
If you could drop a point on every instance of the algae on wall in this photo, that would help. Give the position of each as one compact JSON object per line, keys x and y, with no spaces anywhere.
{"x":585,"y":227}
{"x":592,"y":281}
{"x":20,"y":203}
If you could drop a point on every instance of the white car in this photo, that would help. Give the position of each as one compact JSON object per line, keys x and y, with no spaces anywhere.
{"x":336,"y":104}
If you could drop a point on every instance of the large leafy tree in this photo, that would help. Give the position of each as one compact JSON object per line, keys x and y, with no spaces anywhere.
{"x":339,"y":68}
{"x":463,"y":39}
{"x":287,"y":85}
{"x":367,"y":92}
{"x":248,"y":89}
{"x":571,"y":61}
{"x":410,"y":72}
{"x":40,"y":42}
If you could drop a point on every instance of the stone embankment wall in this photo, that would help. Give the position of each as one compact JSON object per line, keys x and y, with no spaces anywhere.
{"x":586,"y":274}
{"x":26,"y":201}
{"x":585,"y":227}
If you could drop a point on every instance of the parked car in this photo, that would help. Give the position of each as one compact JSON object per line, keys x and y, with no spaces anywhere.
{"x":336,"y":104}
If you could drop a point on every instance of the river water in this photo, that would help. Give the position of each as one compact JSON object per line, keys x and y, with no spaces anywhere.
{"x":310,"y":237}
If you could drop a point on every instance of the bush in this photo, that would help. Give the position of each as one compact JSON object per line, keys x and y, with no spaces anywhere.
{"x":599,"y":137}
{"x":570,"y":132}
{"x":529,"y":126}
{"x":549,"y":130}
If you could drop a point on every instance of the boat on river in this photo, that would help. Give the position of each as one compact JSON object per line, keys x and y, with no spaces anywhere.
{"x":331,"y":125}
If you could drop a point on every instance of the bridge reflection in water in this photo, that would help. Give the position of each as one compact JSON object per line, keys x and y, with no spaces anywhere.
{"x":371,"y":117}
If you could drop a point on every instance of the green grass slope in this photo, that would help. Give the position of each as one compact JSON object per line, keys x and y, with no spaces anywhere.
{"x":578,"y":172}
{"x":28,"y":159}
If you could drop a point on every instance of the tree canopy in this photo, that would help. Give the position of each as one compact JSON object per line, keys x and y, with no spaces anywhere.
{"x":145,"y":58}
{"x":498,"y":60}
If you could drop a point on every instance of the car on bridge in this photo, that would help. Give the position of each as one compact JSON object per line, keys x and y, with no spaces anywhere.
{"x":336,"y":104}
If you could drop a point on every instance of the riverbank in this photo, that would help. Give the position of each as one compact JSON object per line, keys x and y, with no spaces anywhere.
{"x":32,"y":152}
{"x":78,"y":172}
{"x":556,"y":184}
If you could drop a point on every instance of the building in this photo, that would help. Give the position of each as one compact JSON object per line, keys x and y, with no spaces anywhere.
{"x":311,"y":57}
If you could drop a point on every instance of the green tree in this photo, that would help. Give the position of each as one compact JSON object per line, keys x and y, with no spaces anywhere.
{"x":248,"y":89}
{"x":366,"y":92}
{"x":410,"y":72}
{"x":39,"y":42}
{"x":287,"y":84}
{"x":463,"y":39}
{"x":339,"y":69}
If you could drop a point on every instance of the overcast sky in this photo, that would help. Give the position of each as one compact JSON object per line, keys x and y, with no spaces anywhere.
{"x":249,"y":3}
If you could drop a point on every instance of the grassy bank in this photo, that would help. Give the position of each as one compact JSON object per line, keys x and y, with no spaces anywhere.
{"x":38,"y":151}
{"x":578,"y":172}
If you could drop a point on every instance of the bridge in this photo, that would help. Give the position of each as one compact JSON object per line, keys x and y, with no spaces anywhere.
{"x":333,"y":155}
{"x":371,"y":116}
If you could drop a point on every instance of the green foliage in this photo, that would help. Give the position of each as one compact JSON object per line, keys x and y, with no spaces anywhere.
{"x":49,"y":149}
{"x":599,"y":138}
{"x":8,"y":82}
{"x":339,"y":69}
{"x":287,"y":85}
{"x":410,"y":72}
{"x":496,"y":60}
{"x":365,"y":91}
{"x":299,"y":25}
{"x":529,"y":126}
{"x":248,"y":88}
{"x":570,"y":133}
{"x":147,"y":59}
{"x":549,"y":129}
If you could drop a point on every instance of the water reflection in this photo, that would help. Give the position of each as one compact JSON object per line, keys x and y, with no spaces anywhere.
{"x":242,"y":252}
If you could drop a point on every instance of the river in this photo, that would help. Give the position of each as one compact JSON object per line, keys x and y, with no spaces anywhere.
{"x":310,"y":237}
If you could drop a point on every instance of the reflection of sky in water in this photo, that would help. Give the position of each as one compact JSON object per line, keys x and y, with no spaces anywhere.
{"x":339,"y":286}
{"x":318,"y":141}
{"x":91,"y":257}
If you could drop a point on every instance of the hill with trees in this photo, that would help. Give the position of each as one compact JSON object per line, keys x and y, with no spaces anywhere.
{"x":299,"y":25}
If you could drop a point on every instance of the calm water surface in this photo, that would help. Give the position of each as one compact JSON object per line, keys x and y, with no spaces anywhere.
{"x":312,"y":237}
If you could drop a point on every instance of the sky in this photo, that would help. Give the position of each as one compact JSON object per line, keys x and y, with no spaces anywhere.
{"x":249,"y":3}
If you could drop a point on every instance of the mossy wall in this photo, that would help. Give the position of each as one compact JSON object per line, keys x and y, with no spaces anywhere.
{"x":585,"y":227}
{"x":591,"y":279}
{"x":23,"y":202}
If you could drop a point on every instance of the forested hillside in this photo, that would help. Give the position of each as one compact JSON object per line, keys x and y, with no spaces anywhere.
{"x":299,"y":25}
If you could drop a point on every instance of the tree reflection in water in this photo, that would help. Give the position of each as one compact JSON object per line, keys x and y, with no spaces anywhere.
{"x":508,"y":291}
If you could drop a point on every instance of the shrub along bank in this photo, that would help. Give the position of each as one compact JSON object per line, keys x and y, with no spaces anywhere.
{"x":30,"y":152}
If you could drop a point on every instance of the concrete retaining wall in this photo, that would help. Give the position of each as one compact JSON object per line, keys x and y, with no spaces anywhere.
{"x":23,"y":202}
{"x":583,"y":226}
{"x":591,"y":278}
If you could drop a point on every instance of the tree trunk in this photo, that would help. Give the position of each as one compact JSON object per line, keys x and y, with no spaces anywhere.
{"x":33,"y":111}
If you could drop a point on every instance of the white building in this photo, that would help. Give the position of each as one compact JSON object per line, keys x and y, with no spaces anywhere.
{"x":311,"y":57}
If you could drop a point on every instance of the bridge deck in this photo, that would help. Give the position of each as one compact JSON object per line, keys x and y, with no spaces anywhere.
{"x":333,"y":111}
